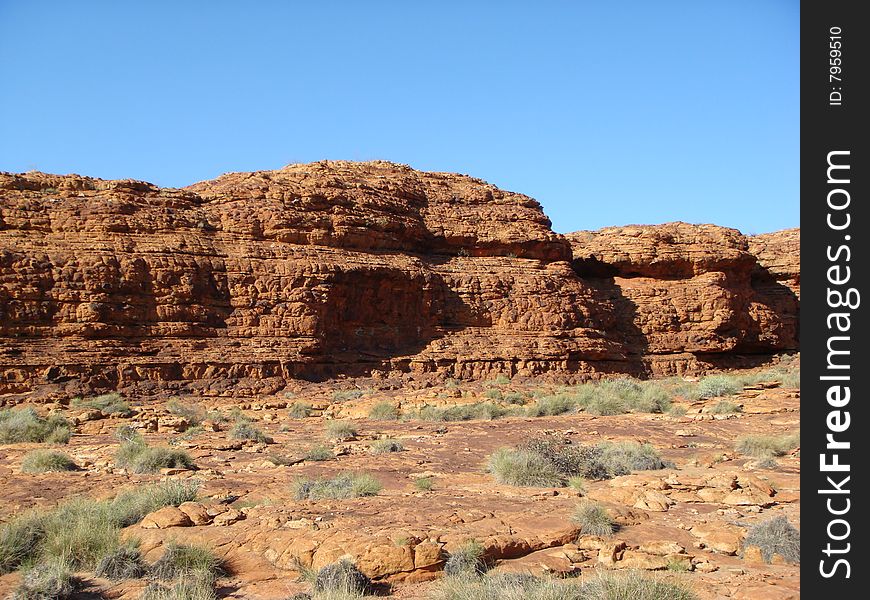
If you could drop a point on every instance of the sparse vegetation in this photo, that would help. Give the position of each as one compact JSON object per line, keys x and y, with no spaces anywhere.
{"x":243,"y":429}
{"x":724,"y":407}
{"x":342,"y":577}
{"x":775,"y":536}
{"x":424,"y":484}
{"x":546,"y":462}
{"x":300,"y":410}
{"x":25,"y":425}
{"x":593,"y":519}
{"x":462,"y":412}
{"x":193,"y":413}
{"x":342,"y":486}
{"x":578,"y":483}
{"x":384,"y":411}
{"x":185,"y":559}
{"x":549,"y":406}
{"x":714,"y":386}
{"x":110,"y":404}
{"x":385,"y":446}
{"x":192,"y":586}
{"x":83,"y":531}
{"x":139,"y":457}
{"x":319,"y":453}
{"x":45,"y":461}
{"x":50,"y":579}
{"x":466,"y":560}
{"x":340,"y":396}
{"x":514,"y":398}
{"x":494,"y":394}
{"x":123,"y":563}
{"x":340,"y":431}
{"x":768,"y":446}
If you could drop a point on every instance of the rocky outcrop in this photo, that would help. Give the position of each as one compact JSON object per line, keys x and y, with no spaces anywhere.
{"x":240,"y":284}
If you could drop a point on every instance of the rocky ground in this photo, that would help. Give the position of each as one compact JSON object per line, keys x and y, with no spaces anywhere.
{"x":688,"y":521}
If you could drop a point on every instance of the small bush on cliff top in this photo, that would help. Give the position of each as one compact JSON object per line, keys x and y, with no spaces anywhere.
{"x":25,"y":425}
{"x":44,"y":461}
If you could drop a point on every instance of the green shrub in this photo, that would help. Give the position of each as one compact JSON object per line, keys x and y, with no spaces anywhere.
{"x":300,"y":410}
{"x":342,"y":486}
{"x":466,"y":560}
{"x":775,"y":536}
{"x":44,"y":461}
{"x":138,"y":457}
{"x":593,"y":519}
{"x":110,"y":404}
{"x":384,"y":411}
{"x":186,"y":559}
{"x":340,"y":431}
{"x":342,"y":577}
{"x":46,"y":580}
{"x":124,"y":563}
{"x":25,"y":425}
{"x":524,"y":468}
{"x":621,"y":458}
{"x":767,"y":446}
{"x":385,"y":446}
{"x":319,"y":453}
{"x":549,"y":406}
{"x":714,"y":386}
{"x":724,"y":407}
{"x":424,"y":484}
{"x":84,"y":531}
{"x":463,"y":412}
{"x":245,"y":430}
{"x":190,"y":412}
{"x":340,"y":396}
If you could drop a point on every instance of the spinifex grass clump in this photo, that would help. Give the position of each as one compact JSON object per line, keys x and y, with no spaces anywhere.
{"x":244,"y":429}
{"x":768,"y":446}
{"x":466,"y":560}
{"x":342,"y":577}
{"x":25,"y":425}
{"x":775,"y":536}
{"x":191,"y":412}
{"x":463,"y":412}
{"x":593,"y":519}
{"x":344,"y":485}
{"x":139,"y":457}
{"x":549,"y":462}
{"x":45,"y":461}
{"x":110,"y":404}
{"x":82,"y":531}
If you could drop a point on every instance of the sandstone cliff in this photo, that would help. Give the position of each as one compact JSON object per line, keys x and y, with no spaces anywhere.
{"x":240,"y":284}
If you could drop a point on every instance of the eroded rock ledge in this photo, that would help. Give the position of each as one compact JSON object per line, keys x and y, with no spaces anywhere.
{"x":237,"y":285}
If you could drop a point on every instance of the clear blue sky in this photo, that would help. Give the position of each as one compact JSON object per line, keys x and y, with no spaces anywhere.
{"x":606,"y":112}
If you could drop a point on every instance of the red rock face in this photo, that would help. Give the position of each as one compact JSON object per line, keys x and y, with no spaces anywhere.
{"x":239,"y":284}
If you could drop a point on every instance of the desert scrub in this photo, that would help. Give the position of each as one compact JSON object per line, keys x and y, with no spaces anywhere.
{"x":610,"y":585}
{"x":384,"y":411}
{"x":494,"y":394}
{"x":341,"y":578}
{"x":137,"y":456}
{"x":319,"y":453}
{"x":424,"y":484}
{"x":549,"y":406}
{"x":621,"y":458}
{"x":25,"y":425}
{"x":83,"y":531}
{"x":124,"y":563}
{"x":514,"y":398}
{"x":45,"y":461}
{"x":110,"y":404}
{"x":466,"y":560}
{"x":714,"y":386}
{"x":725,"y":407}
{"x":385,"y":446}
{"x":593,"y":519}
{"x":185,"y":559}
{"x":768,"y":446}
{"x":775,"y":536}
{"x":578,"y":483}
{"x":191,"y":412}
{"x":340,"y":431}
{"x":342,"y":486}
{"x":518,"y":467}
{"x":463,"y":412}
{"x":193,"y":586}
{"x":499,"y":380}
{"x":243,"y":429}
{"x":47,"y":580}
{"x":299,"y":410}
{"x":340,"y":396}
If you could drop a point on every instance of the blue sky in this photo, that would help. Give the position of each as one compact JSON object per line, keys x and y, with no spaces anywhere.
{"x":606,"y":112}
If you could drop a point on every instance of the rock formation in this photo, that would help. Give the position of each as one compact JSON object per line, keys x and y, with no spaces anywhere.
{"x":240,"y":284}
